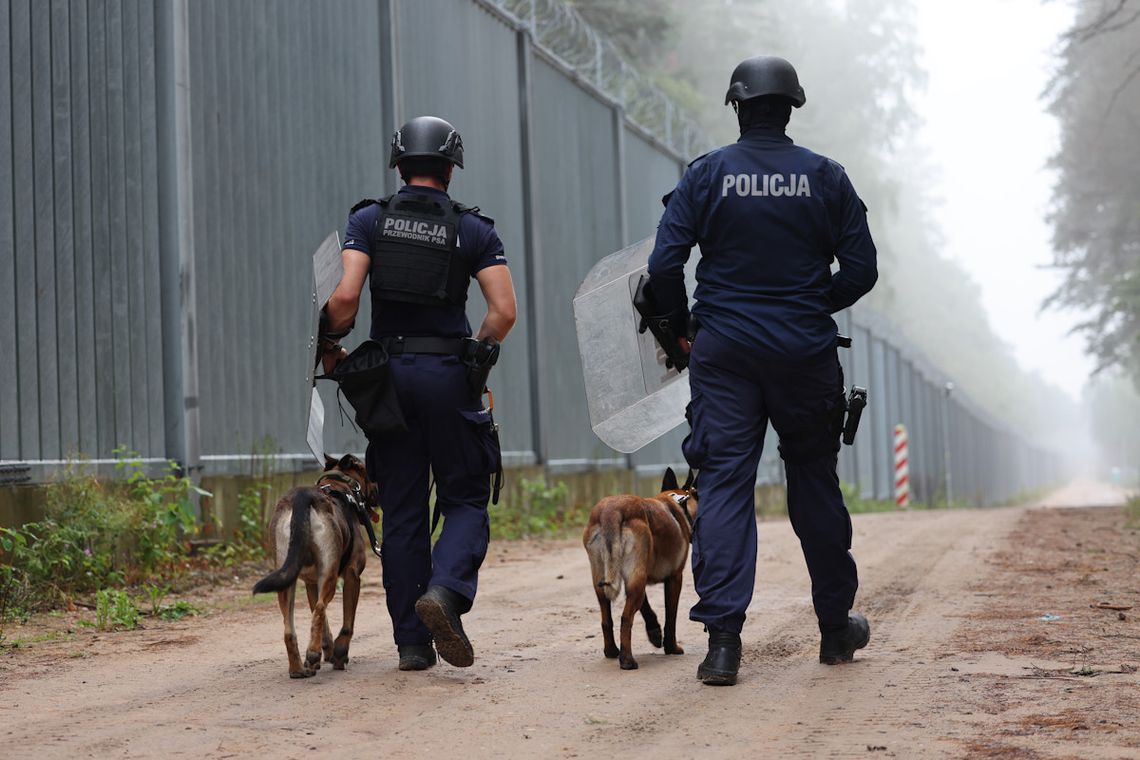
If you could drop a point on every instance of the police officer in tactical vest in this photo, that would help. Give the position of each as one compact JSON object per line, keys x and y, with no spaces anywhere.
{"x":419,"y":250}
{"x":770,"y":218}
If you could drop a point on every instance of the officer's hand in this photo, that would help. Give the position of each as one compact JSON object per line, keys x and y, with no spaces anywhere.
{"x":685,"y":345}
{"x":329,"y":359}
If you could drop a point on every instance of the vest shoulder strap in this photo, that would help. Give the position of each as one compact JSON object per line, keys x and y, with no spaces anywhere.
{"x":362,"y":204}
{"x":462,"y":208}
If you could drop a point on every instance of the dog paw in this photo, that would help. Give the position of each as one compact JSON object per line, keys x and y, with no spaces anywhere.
{"x":655,"y":636}
{"x":628,"y":663}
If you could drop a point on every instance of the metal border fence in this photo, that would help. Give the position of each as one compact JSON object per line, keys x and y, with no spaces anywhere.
{"x":167,"y":167}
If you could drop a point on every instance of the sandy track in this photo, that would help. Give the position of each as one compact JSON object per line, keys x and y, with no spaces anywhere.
{"x":216,"y":686}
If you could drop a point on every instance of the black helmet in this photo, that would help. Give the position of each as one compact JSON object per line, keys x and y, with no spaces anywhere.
{"x":765,"y":75}
{"x":427,"y":137}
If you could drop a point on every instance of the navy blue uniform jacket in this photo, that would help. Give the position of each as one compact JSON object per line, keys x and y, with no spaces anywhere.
{"x":770,"y":217}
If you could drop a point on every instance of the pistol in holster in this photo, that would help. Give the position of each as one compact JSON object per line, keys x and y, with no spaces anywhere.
{"x":480,"y":356}
{"x":856,"y":402}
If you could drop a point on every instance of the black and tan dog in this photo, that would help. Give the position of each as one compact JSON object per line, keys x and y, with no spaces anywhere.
{"x":636,"y":541}
{"x":315,"y":535}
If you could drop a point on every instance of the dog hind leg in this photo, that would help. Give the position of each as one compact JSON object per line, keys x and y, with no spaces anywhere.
{"x":326,"y":634}
{"x":610,"y":646}
{"x":351,"y":595}
{"x":672,"y":599}
{"x":319,"y":633}
{"x":634,"y":596}
{"x":285,"y":599}
{"x":652,"y":625}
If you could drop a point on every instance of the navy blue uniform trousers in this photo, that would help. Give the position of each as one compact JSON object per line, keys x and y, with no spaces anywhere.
{"x":734,"y":395}
{"x":450,"y":435}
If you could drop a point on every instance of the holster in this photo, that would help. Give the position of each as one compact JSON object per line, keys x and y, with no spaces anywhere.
{"x":666,"y":326}
{"x":856,"y":402}
{"x":480,"y":356}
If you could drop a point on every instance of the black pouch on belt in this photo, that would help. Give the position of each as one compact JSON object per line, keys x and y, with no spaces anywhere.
{"x":365,"y":380}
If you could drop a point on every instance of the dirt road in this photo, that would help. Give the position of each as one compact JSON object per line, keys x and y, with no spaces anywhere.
{"x":961,"y":663}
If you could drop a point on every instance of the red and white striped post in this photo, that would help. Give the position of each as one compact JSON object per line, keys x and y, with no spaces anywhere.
{"x":902,"y":467}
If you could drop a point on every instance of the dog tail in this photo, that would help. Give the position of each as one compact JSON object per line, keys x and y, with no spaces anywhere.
{"x":286,"y":575}
{"x":606,"y":554}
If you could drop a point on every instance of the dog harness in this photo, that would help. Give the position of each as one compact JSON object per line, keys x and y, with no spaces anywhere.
{"x":354,"y":501}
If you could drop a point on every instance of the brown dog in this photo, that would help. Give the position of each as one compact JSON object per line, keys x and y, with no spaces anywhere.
{"x":637,"y":541}
{"x":315,"y":535}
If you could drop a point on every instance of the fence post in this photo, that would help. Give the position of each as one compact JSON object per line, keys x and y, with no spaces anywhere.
{"x":176,"y":230}
{"x":534,"y":315}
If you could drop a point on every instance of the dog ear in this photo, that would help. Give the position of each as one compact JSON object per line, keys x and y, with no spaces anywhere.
{"x":330,"y":462}
{"x":669,"y":482}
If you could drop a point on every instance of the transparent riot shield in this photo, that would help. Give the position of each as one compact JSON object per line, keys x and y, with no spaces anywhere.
{"x":327,"y":271}
{"x":632,"y":396}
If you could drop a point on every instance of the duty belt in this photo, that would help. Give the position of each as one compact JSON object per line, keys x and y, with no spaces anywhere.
{"x":425,"y":344}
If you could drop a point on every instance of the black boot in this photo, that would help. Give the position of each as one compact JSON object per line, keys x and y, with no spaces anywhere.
{"x":439,"y":609}
{"x":839,"y":644}
{"x":416,"y":656}
{"x":723,"y":659}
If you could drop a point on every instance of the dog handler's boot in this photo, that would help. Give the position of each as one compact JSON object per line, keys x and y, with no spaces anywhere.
{"x":839,"y":644}
{"x":723,"y":659}
{"x":439,"y":609}
{"x":416,"y":656}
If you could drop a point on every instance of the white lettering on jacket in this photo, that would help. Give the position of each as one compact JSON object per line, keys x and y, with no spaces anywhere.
{"x":765,"y":185}
{"x":415,"y":227}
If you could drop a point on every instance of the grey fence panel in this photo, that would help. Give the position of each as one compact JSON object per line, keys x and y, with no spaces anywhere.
{"x":649,"y":175}
{"x":75,"y":107}
{"x":83,"y":229}
{"x":577,"y":214}
{"x":860,"y":374}
{"x":45,"y":256}
{"x":880,"y":428}
{"x":283,"y":145}
{"x":467,"y":71}
{"x":10,"y":398}
{"x":63,"y":218}
{"x":24,"y":217}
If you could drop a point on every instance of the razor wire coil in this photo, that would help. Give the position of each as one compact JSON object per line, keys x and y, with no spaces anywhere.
{"x":562,"y":33}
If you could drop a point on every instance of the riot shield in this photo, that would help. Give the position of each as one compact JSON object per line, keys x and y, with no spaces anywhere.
{"x":632,"y":396}
{"x":327,"y":271}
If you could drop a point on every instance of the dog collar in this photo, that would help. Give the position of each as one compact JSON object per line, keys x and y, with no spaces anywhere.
{"x":682,"y":501}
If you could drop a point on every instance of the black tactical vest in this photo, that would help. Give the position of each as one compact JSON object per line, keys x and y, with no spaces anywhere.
{"x":415,"y":251}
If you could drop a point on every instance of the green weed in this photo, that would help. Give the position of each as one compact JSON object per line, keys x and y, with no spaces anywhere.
{"x":114,"y":609}
{"x":543,"y":511}
{"x":96,"y":534}
{"x":178,"y":610}
{"x":1132,"y":511}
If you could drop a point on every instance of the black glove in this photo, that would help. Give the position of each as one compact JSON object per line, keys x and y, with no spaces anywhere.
{"x":667,"y":325}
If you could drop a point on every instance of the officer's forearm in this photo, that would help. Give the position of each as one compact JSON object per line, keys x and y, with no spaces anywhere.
{"x":496,"y":324}
{"x":341,"y":310}
{"x":848,"y":287}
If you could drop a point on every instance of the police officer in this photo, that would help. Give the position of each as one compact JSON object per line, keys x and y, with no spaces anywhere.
{"x":420,"y":250}
{"x":770,"y":218}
